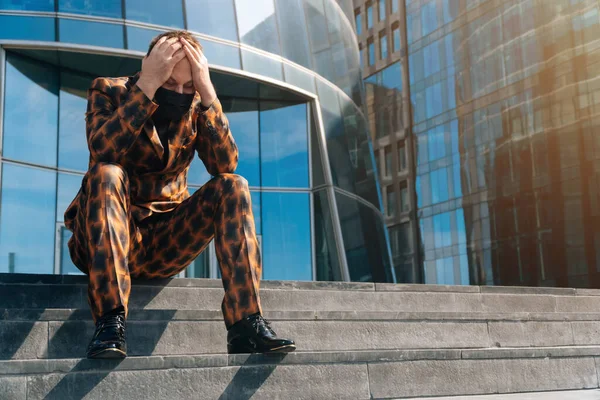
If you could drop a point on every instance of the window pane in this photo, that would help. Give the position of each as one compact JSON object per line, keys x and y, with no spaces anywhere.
{"x":155,"y":12}
{"x":292,"y":31}
{"x":358,"y":21}
{"x":328,"y":267}
{"x":371,"y":53}
{"x":391,"y":201}
{"x":404,"y":199}
{"x":383,"y":47}
{"x":27,"y":28}
{"x":296,"y":77}
{"x":388,"y":161}
{"x":257,"y":211}
{"x":92,"y":33}
{"x":401,"y":158}
{"x":394,"y":6}
{"x":284,"y":145}
{"x":212,"y":17}
{"x":397,"y":43}
{"x":66,"y":264}
{"x":221,"y":54}
{"x":286,"y":238}
{"x":243,"y":121}
{"x":140,"y":38}
{"x":257,"y":25}
{"x":369,"y":17}
{"x":104,"y":8}
{"x":31,"y":90}
{"x":381,"y":10}
{"x":27,"y":220}
{"x":73,"y":151}
{"x":68,"y":186}
{"x":27,"y":5}
{"x":200,"y":267}
{"x":259,"y":64}
{"x":364,"y":241}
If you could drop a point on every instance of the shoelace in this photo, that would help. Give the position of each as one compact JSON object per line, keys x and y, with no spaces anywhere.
{"x":113,"y":321}
{"x":257,"y":322}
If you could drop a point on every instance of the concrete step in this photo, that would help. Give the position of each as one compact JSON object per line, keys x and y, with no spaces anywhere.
{"x":51,"y":291}
{"x":349,"y":374}
{"x":64,"y":333}
{"x":590,"y":394}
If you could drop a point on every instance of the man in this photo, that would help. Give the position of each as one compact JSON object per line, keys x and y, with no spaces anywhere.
{"x":133,"y":216}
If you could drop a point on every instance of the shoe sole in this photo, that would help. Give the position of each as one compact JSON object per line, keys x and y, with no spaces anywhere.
{"x":249,"y":350}
{"x":108,"y":354}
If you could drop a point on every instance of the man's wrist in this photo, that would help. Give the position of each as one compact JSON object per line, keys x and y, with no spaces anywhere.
{"x":148,"y":87}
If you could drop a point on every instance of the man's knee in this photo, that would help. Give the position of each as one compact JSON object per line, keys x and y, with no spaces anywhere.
{"x":107,"y":173}
{"x":231,"y":182}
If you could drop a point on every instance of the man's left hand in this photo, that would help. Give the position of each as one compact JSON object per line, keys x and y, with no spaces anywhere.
{"x":200,"y":73}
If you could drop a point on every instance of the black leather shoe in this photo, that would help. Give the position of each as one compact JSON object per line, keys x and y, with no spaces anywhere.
{"x":109,"y":339}
{"x":254,"y":334}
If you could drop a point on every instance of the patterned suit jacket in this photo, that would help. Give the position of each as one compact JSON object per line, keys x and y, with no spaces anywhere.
{"x":120,"y":131}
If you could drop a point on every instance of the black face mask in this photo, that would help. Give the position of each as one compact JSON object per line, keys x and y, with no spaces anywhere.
{"x":172,"y":106}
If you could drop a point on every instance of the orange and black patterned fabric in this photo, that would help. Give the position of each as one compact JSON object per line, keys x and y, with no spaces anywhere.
{"x":134,"y":217}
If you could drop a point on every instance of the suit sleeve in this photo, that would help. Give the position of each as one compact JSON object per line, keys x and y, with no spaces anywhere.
{"x":215,"y":144}
{"x":112,"y":130}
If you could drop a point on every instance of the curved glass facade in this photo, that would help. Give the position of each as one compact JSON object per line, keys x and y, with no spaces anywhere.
{"x":290,"y":83}
{"x":504,"y":99}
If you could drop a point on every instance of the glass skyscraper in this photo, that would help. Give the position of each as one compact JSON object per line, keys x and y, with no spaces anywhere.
{"x":497,"y":119}
{"x":287,"y":73}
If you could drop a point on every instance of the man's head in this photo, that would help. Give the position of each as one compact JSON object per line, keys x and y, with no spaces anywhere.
{"x":180,"y":80}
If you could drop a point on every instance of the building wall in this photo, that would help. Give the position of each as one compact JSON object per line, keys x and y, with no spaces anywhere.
{"x":382,"y":40}
{"x":256,"y":48}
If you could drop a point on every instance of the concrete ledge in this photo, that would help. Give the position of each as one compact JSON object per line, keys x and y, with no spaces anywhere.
{"x":357,"y":375}
{"x":460,"y":377}
{"x":40,"y":366}
{"x":77,"y":314}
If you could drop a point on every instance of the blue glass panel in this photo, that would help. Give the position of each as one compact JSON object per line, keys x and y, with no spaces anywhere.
{"x":212,"y":17}
{"x":243,"y":121}
{"x":259,"y":64}
{"x":28,"y":197}
{"x":371,"y":53}
{"x":284,"y":145}
{"x":256,"y":211}
{"x":296,"y":77}
{"x":27,"y":5}
{"x":140,"y":38}
{"x":27,"y":28}
{"x":68,"y":186}
{"x":104,"y":8}
{"x":328,"y":266}
{"x":286,"y":236}
{"x":72,"y":145}
{"x":197,"y":174}
{"x":392,"y":77}
{"x":31,"y":90}
{"x":369,"y":17}
{"x":428,"y":18}
{"x":91,"y":33}
{"x":156,"y":12}
{"x":358,"y":24}
{"x":66,"y":264}
{"x":221,"y":54}
{"x":365,"y":241}
{"x":257,"y":24}
{"x":292,"y":31}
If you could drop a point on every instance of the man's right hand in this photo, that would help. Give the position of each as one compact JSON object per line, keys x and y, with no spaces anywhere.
{"x":158,"y":65}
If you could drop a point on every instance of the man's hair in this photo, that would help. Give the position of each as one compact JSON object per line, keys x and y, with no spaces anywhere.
{"x":178,"y":34}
